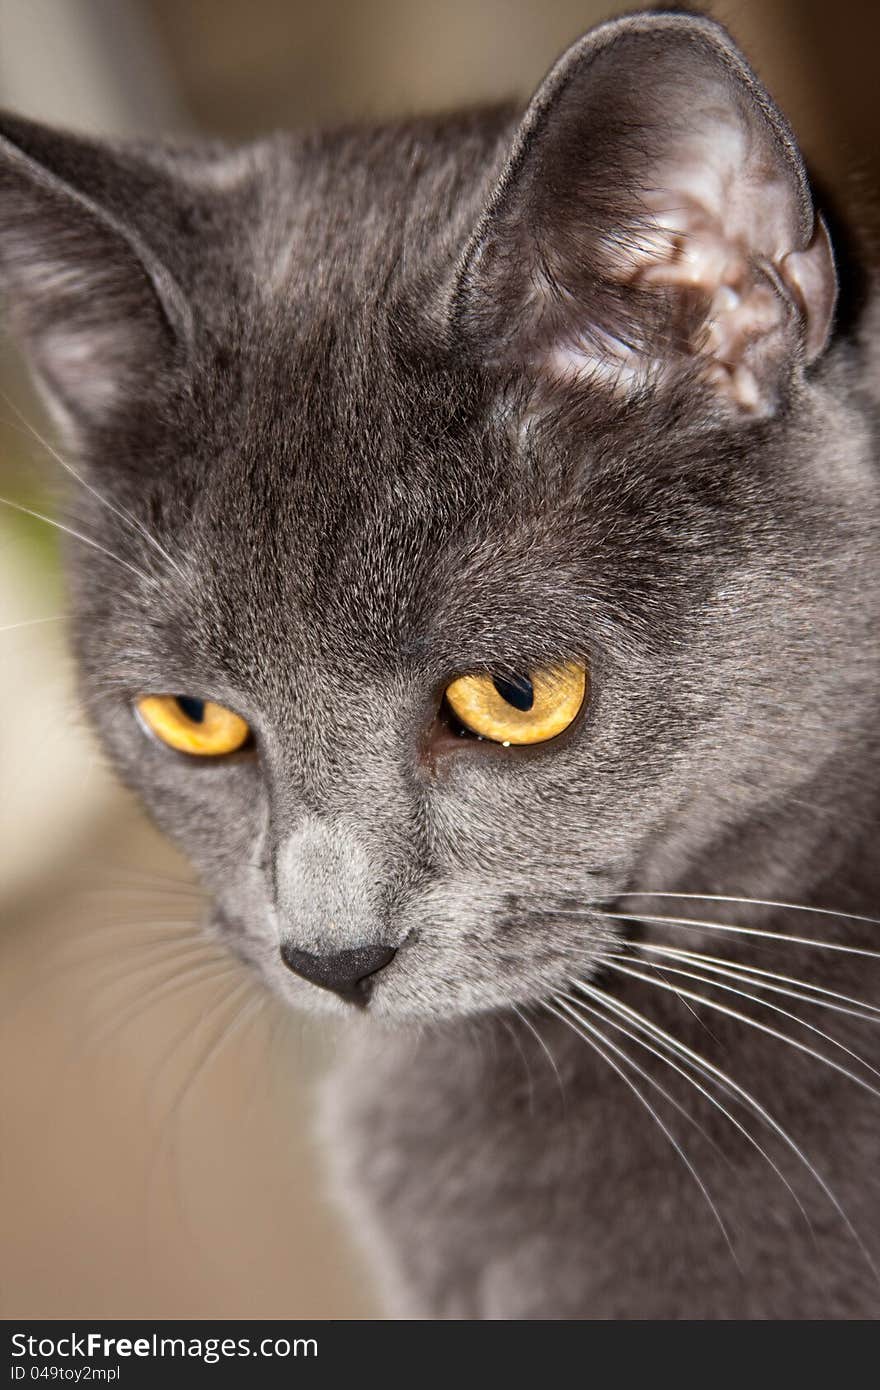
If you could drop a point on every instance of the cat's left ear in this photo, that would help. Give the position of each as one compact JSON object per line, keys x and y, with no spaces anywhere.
{"x":654,"y":218}
{"x":100,"y":317}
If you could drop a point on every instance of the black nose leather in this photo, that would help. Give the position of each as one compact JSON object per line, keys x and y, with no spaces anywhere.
{"x":347,"y":973}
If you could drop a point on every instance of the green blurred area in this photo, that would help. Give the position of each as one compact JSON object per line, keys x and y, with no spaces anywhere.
{"x":26,"y":469}
{"x":37,"y":539}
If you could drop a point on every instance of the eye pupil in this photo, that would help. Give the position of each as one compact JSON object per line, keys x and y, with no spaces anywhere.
{"x":518,"y":692}
{"x":192,"y":708}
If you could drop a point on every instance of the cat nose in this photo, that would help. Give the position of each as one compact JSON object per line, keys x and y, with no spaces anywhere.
{"x":348,"y":973}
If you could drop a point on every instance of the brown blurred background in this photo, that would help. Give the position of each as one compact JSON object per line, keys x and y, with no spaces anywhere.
{"x":156,"y":1152}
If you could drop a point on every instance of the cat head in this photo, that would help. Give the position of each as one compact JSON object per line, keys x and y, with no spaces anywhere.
{"x":475,"y":512}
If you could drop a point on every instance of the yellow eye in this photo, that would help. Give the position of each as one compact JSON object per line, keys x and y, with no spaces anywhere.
{"x":193,"y":726}
{"x":523,"y":709}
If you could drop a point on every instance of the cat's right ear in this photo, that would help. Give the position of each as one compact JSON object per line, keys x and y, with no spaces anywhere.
{"x":101,"y":320}
{"x":653,"y":225}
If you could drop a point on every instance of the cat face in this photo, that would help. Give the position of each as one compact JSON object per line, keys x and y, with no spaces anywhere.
{"x":364,"y":414}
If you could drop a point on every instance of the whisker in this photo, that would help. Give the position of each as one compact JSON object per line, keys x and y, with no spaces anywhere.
{"x":708,"y":1068}
{"x":713,"y":1100}
{"x":32,"y":622}
{"x":694,"y":925}
{"x":134,"y":873}
{"x":768,"y":1004}
{"x":142,"y":966}
{"x":123,"y":937}
{"x":73,"y":961}
{"x":77,"y":535}
{"x":869,"y":1013}
{"x":511,"y":1031}
{"x":218,"y":1039}
{"x":166,"y":987}
{"x":127,"y":894}
{"x":132,"y":927}
{"x":755,"y":1023}
{"x":122,"y":512}
{"x":568,"y":1017}
{"x":192,"y":1025}
{"x":533,"y":1029}
{"x":754,"y":902}
{"x":652,"y":1081}
{"x":122,"y":964}
{"x":227,"y":1031}
{"x":681,"y":999}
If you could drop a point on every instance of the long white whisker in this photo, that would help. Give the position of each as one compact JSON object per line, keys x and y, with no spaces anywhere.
{"x":568,"y":1016}
{"x":652,"y":1081}
{"x":150,"y":938}
{"x":754,"y":902}
{"x":121,"y":967}
{"x":710,"y":1069}
{"x":182,"y":979}
{"x":869,"y":1013}
{"x":242,"y":1013}
{"x":122,"y":512}
{"x":681,"y":999}
{"x":754,"y":1022}
{"x":694,"y":925}
{"x":785,"y":1013}
{"x":235,"y":988}
{"x":511,"y":1032}
{"x":32,"y":622}
{"x":77,"y":535}
{"x":713,"y":1100}
{"x":524,"y":1019}
{"x":149,"y":882}
{"x":73,"y":960}
{"x":229,"y":1026}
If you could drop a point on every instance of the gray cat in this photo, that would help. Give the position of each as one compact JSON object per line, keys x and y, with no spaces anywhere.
{"x":480,"y":582}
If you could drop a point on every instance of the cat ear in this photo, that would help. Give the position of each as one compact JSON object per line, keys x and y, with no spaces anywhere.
{"x":654,"y":217}
{"x":99,"y":317}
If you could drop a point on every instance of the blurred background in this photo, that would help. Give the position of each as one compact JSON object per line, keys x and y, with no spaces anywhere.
{"x":156,"y":1150}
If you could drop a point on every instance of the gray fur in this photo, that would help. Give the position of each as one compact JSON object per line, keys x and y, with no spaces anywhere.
{"x":314,"y":370}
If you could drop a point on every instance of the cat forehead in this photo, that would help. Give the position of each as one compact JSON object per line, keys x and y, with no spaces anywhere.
{"x":367,"y":545}
{"x":302,"y":217}
{"x":352,"y":525}
{"x":359,"y":534}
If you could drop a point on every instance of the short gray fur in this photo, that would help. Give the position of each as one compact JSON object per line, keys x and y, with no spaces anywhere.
{"x":322,"y":371}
